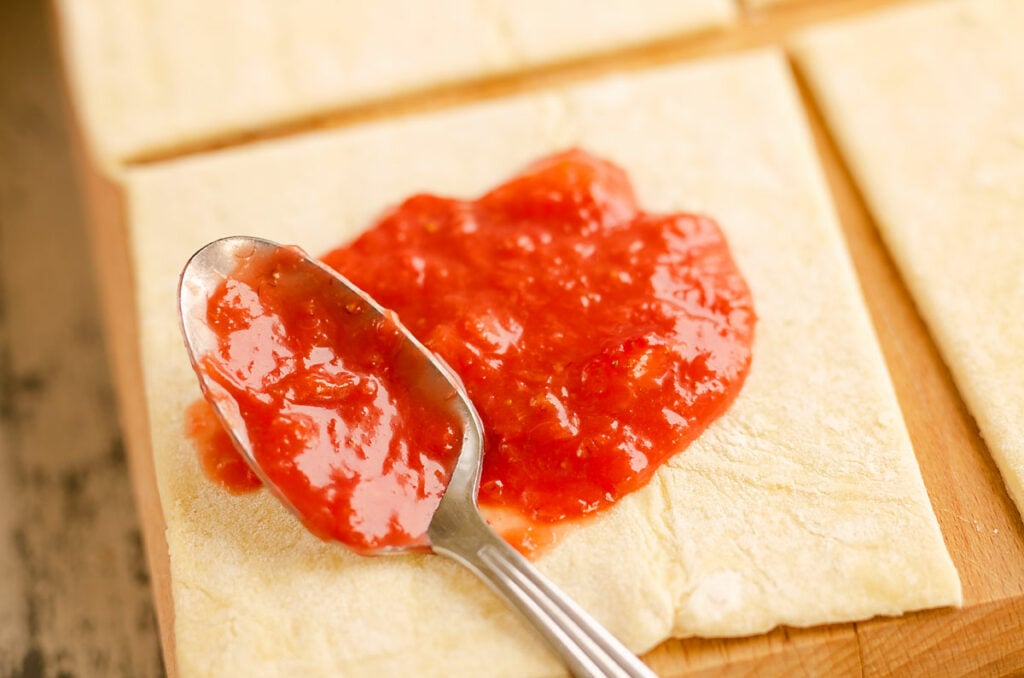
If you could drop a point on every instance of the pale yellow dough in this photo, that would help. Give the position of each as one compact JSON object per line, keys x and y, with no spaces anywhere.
{"x":802,"y":505}
{"x":763,"y":4}
{"x":154,"y":74}
{"x":931,"y":119}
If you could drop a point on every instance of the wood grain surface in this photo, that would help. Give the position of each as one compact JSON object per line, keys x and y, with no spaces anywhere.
{"x":981,"y":526}
{"x":75,"y":597}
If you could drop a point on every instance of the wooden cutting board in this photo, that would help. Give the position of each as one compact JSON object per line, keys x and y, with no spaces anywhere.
{"x":982,"y":528}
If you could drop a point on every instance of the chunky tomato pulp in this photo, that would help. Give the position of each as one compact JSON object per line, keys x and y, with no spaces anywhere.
{"x":596,"y":340}
{"x":330,"y":402}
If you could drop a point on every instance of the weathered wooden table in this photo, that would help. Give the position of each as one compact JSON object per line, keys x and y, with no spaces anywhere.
{"x":75,"y":597}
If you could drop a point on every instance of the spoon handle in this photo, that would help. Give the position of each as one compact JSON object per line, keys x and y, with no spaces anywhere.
{"x":586,"y":647}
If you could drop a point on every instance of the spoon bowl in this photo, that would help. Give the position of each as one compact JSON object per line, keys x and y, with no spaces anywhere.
{"x":220,"y":260}
{"x":456,"y":529}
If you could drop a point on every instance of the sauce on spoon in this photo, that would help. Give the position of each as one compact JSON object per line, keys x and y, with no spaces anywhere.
{"x":332,"y":407}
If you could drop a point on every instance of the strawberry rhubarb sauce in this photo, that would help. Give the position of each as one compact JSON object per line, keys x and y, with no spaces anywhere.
{"x":332,"y":402}
{"x":596,"y":340}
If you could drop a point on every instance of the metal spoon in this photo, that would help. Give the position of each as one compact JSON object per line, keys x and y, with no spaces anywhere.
{"x":457,"y":530}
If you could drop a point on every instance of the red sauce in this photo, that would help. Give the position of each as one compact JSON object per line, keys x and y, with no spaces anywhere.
{"x":217,"y":454}
{"x":595,"y":339}
{"x":329,"y":408}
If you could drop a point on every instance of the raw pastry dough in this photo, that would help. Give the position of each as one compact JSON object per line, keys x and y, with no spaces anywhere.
{"x":931,"y":119}
{"x":802,"y":505}
{"x":153,"y":74}
{"x":762,"y":4}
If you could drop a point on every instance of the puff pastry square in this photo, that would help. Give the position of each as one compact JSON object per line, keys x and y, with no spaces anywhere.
{"x":931,"y":120}
{"x":151,"y":75}
{"x":802,"y":505}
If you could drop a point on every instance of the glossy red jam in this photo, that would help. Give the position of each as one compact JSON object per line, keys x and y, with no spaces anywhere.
{"x":217,"y":454}
{"x":330,"y":404}
{"x":595,"y":339}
